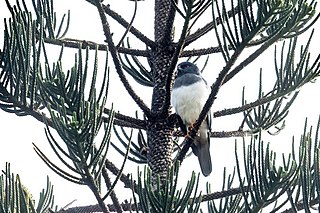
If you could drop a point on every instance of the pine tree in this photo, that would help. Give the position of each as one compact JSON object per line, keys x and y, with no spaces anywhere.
{"x":79,"y":124}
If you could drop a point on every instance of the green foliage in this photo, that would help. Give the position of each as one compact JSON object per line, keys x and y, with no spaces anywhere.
{"x":15,"y":197}
{"x":20,"y":78}
{"x":266,"y":182}
{"x":75,"y":109}
{"x":47,"y":17}
{"x":136,"y":69}
{"x":266,"y":185}
{"x":20,"y":57}
{"x":168,"y":198}
{"x":78,"y":121}
{"x":272,"y":20}
{"x":231,"y":203}
{"x":137,"y":154}
{"x":262,"y":183}
{"x":291,"y":76}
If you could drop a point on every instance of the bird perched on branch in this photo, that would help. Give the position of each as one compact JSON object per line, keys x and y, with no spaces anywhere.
{"x":190,"y":93}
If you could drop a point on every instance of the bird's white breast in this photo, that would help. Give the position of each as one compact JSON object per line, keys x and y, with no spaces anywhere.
{"x":188,"y":101}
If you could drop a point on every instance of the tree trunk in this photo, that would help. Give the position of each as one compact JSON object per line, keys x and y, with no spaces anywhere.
{"x":160,"y":130}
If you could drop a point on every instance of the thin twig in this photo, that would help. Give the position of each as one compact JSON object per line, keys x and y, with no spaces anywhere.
{"x":130,"y":24}
{"x":125,"y":24}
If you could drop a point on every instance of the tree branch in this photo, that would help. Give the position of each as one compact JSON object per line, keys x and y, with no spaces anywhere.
{"x":251,"y":105}
{"x":124,"y":178}
{"x":38,"y":115}
{"x":301,"y":206}
{"x":223,"y":134}
{"x":204,"y":198}
{"x":113,"y":195}
{"x":129,"y":25}
{"x":125,"y":24}
{"x":249,"y":59}
{"x":96,"y":208}
{"x":115,"y":56}
{"x":210,"y":50}
{"x":131,"y":207}
{"x":126,"y":121}
{"x":74,"y":43}
{"x":199,"y":52}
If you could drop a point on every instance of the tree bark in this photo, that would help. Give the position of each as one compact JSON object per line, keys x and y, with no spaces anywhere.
{"x":159,"y":130}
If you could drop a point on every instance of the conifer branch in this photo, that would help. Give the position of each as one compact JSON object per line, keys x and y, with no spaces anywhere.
{"x":128,"y":206}
{"x":24,"y":110}
{"x":83,"y":44}
{"x":129,"y":25}
{"x":125,"y":121}
{"x":251,"y":105}
{"x":223,"y":134}
{"x":261,"y":185}
{"x":217,"y":49}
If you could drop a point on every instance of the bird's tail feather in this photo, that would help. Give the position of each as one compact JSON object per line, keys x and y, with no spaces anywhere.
{"x":203,"y":153}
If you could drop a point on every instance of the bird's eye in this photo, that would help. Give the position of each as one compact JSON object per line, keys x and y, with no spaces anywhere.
{"x":185,"y":66}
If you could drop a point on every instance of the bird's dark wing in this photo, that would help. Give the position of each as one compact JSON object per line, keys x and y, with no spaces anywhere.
{"x":182,"y":125}
{"x":209,"y":119}
{"x":209,"y":116}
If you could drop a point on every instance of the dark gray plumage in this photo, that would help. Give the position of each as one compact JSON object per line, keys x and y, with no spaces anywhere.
{"x":189,"y":95}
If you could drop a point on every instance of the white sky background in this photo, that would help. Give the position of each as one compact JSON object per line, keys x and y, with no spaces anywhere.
{"x":17,"y":133}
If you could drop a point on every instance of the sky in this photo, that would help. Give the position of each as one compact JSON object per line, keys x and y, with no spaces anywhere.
{"x":18,"y":133}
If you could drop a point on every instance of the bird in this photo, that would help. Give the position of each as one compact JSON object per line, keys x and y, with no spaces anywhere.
{"x":189,"y":94}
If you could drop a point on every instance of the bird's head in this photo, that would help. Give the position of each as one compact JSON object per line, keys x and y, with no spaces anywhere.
{"x":187,"y":67}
